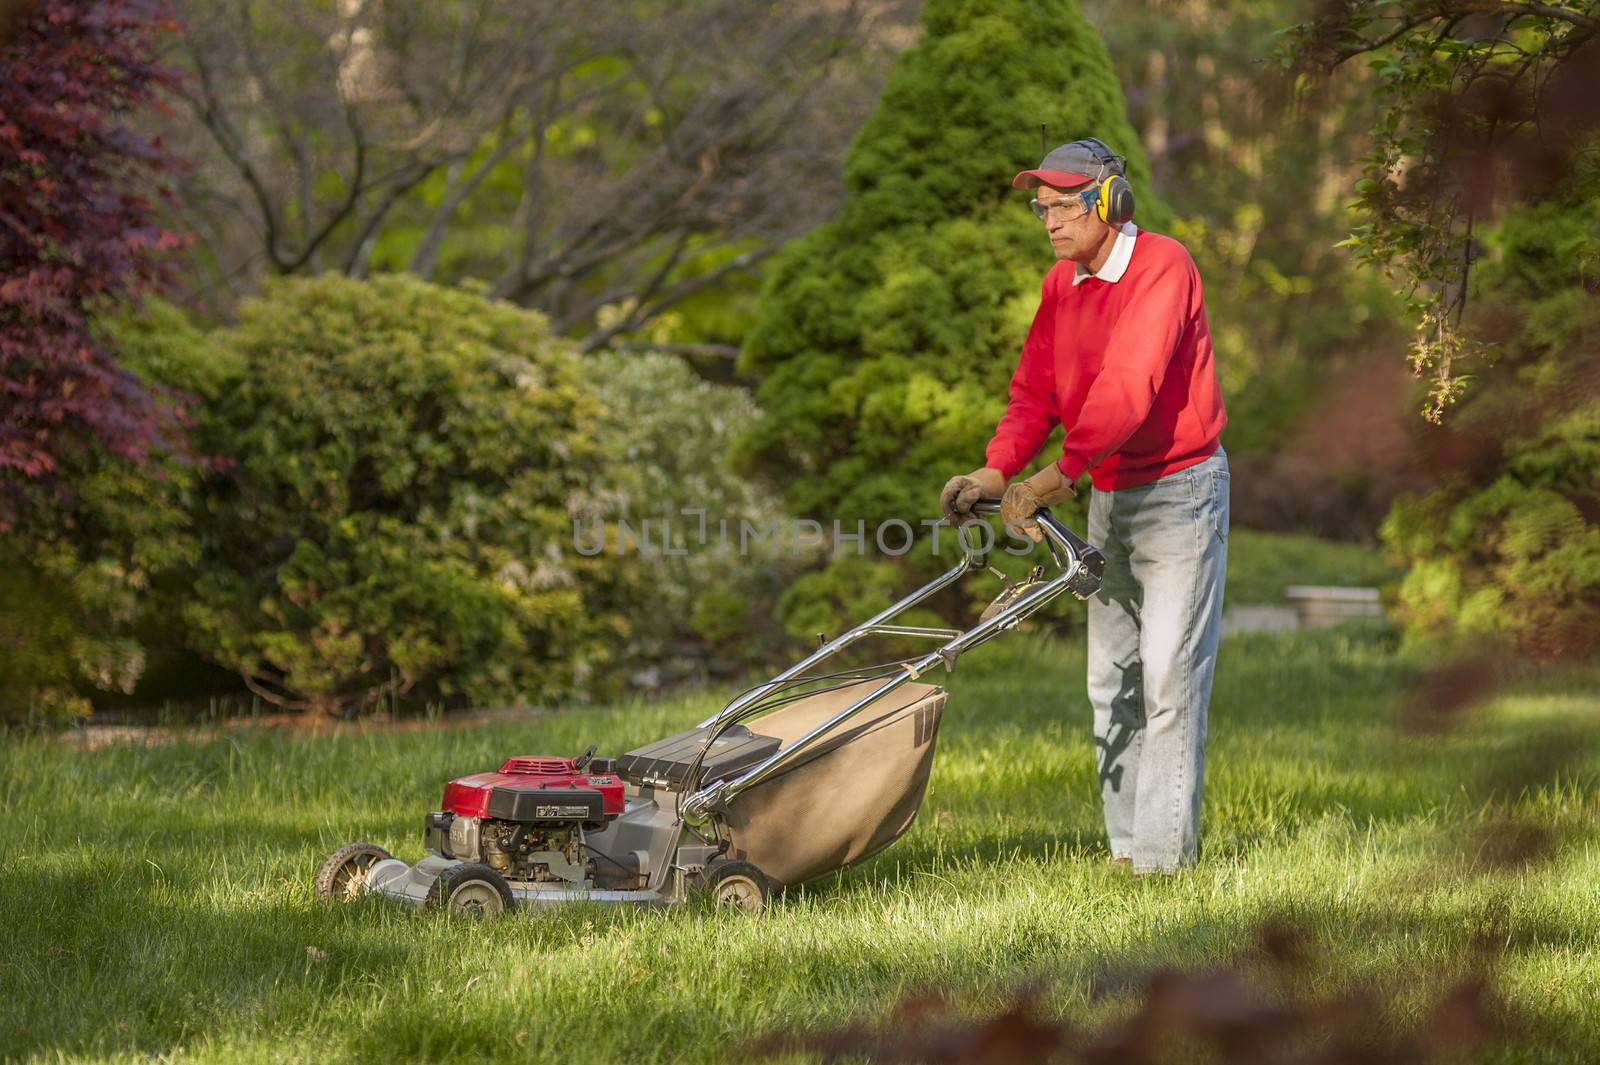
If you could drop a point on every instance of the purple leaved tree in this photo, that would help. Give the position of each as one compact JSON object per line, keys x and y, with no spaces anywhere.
{"x":78,"y":229}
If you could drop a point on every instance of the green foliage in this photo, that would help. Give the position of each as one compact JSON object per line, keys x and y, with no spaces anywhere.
{"x":391,"y":516}
{"x":1512,"y":545}
{"x":695,"y":595}
{"x":387,"y":501}
{"x":1464,"y":129}
{"x":887,"y":337}
{"x":853,"y":588}
{"x":1509,"y":544}
{"x":1520,"y":556}
{"x":77,"y":571}
{"x":55,"y":635}
{"x":74,"y":580}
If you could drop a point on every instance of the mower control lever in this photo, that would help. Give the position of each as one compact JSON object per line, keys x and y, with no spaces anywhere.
{"x":1056,"y":537}
{"x":583,"y":759}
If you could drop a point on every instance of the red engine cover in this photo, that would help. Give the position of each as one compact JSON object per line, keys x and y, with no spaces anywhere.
{"x":469,"y":796}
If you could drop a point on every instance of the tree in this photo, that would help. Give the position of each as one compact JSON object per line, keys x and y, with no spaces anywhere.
{"x":79,"y":231}
{"x":887,"y":336}
{"x":571,"y":156}
{"x":1481,"y":195}
{"x":1484,"y":107}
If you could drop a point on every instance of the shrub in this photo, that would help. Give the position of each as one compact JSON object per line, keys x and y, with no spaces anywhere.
{"x":75,"y":577}
{"x":91,"y":544}
{"x":665,"y":434}
{"x":391,"y":519}
{"x":1517,"y":557}
{"x":390,"y":481}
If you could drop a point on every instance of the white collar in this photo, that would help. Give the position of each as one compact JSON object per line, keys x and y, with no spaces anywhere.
{"x":1116,"y":263}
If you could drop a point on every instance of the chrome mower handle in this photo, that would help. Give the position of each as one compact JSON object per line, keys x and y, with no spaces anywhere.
{"x":1067,"y":548}
{"x":1079,"y":565}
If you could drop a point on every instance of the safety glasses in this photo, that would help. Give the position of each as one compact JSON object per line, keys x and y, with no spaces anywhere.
{"x":1075,"y":206}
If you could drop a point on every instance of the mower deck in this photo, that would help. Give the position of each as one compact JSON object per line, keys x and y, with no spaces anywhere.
{"x":412,"y":884}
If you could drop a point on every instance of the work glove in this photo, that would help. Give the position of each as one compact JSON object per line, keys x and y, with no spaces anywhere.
{"x":1024,"y":498}
{"x":961,"y":492}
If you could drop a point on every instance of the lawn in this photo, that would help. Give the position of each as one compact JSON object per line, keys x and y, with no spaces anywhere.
{"x":158,"y":899}
{"x":1261,"y":565}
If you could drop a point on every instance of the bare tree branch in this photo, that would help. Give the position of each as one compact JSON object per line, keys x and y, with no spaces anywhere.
{"x":208,"y":108}
{"x":356,"y":262}
{"x":718,"y":351}
{"x":650,"y":288}
{"x":682,"y":290}
{"x":604,"y":143}
{"x":427,"y":253}
{"x":294,"y":143}
{"x":1562,"y":14}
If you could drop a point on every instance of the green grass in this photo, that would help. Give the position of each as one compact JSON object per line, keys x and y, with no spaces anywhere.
{"x":158,"y":902}
{"x":1262,"y":564}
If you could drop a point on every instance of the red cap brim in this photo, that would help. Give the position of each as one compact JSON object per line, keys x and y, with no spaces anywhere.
{"x":1061,"y":179}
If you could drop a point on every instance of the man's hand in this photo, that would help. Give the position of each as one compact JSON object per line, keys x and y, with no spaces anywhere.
{"x":1023,"y":500}
{"x":961,"y":492}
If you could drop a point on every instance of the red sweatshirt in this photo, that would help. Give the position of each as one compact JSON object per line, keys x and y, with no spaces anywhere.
{"x":1125,"y":364}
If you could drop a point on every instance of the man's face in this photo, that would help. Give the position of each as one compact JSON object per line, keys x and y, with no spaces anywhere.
{"x":1074,"y":233}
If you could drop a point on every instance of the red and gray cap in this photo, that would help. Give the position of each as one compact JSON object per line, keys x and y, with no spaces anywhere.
{"x":1073,"y":164}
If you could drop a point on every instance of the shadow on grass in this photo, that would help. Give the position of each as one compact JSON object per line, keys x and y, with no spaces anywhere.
{"x":145,"y":964}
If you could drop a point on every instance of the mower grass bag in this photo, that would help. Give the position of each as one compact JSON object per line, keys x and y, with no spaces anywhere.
{"x":854,"y":793}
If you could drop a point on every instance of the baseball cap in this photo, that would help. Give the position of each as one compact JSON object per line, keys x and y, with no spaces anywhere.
{"x":1072,"y":164}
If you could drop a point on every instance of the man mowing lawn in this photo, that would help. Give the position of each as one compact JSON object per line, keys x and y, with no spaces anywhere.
{"x":1120,"y":353}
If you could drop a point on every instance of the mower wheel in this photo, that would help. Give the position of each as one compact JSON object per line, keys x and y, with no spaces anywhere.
{"x":342,"y":874}
{"x":739,"y":885}
{"x":471,"y":890}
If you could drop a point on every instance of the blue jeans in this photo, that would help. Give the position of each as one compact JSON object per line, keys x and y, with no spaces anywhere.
{"x":1153,"y":631}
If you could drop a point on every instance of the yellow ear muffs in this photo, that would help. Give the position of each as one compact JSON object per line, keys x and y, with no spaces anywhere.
{"x":1114,"y":201}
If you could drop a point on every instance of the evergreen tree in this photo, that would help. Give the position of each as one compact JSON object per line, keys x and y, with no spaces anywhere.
{"x":887,"y":337}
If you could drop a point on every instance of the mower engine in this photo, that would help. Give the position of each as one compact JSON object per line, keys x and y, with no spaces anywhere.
{"x":527,"y":821}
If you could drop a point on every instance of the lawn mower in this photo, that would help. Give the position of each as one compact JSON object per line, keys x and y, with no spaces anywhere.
{"x":795,"y":778}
